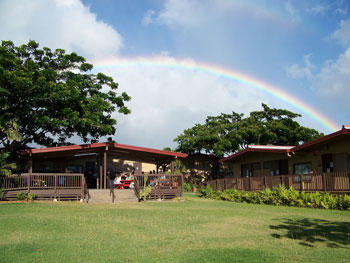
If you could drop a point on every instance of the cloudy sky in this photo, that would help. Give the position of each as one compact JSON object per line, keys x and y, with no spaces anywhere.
{"x":299,"y":47}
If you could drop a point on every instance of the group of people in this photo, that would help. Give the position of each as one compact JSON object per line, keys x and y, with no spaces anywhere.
{"x":117,"y":179}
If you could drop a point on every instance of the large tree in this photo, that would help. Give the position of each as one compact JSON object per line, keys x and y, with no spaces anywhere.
{"x":227,"y":133}
{"x":51,"y":96}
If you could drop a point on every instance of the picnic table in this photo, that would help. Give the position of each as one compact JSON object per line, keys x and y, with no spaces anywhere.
{"x":123,"y":184}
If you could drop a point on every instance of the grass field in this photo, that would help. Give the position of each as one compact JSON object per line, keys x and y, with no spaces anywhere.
{"x":199,"y":230}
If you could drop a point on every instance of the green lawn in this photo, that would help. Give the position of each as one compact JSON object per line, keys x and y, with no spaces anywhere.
{"x":200,"y":230}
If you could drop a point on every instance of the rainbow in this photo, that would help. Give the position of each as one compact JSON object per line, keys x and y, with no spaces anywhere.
{"x":191,"y":65}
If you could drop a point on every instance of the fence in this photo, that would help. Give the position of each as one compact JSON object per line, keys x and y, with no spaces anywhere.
{"x":163,"y":186}
{"x":45,"y":186}
{"x":327,"y":182}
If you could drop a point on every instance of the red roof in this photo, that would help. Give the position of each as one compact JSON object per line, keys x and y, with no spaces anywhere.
{"x":106,"y":144}
{"x":344,"y":131}
{"x":285,"y":149}
{"x":259,"y":148}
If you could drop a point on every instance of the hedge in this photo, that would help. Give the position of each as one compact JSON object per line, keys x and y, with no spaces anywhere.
{"x":281,"y":196}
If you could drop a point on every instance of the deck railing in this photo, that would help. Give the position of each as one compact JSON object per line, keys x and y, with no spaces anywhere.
{"x":163,"y":186}
{"x":327,"y":182}
{"x":45,"y":185}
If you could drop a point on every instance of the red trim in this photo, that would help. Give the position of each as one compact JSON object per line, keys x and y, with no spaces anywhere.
{"x":69,"y":148}
{"x":150,"y":150}
{"x":343,"y":131}
{"x":104,"y":144}
{"x":248,"y":149}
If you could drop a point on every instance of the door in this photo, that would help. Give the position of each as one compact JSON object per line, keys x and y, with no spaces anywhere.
{"x":327,"y":163}
{"x":90,"y":174}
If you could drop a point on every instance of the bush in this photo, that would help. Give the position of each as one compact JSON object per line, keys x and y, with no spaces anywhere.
{"x":21,"y":196}
{"x":31,"y":197}
{"x":188,"y":187}
{"x":2,"y":194}
{"x":281,"y":196}
{"x":27,"y":197}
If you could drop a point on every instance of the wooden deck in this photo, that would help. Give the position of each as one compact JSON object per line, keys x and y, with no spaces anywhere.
{"x":326,"y":182}
{"x":163,"y":186}
{"x":45,"y":186}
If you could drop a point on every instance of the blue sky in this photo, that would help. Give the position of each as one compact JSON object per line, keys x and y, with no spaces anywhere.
{"x":302,"y":47}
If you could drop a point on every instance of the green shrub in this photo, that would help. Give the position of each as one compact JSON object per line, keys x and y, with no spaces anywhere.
{"x":2,"y":194}
{"x":21,"y":196}
{"x":281,"y":196}
{"x":188,"y":187}
{"x":31,"y":197}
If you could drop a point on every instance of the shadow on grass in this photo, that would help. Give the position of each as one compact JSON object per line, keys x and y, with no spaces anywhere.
{"x":227,"y":255}
{"x":308,"y":231}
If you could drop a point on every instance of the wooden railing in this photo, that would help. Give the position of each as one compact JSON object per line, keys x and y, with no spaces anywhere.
{"x":327,"y":182}
{"x":46,"y":185}
{"x":163,"y":186}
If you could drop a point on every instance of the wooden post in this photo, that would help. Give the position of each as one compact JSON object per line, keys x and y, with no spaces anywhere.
{"x":28,"y":182}
{"x":55,"y":186}
{"x":224,"y":184}
{"x":301,"y":183}
{"x":182,"y":184}
{"x":324,"y":182}
{"x":105,"y":169}
{"x":250,"y":183}
{"x":172,"y":168}
{"x":101,"y":171}
{"x":265,"y":183}
{"x":30,"y":168}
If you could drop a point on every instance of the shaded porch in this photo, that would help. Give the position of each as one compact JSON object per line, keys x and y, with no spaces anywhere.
{"x":94,"y":160}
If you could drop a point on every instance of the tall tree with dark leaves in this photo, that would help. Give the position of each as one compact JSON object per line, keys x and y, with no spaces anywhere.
{"x":227,"y":133}
{"x":51,"y":96}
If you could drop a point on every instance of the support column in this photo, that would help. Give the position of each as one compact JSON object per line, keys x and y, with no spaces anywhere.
{"x":157,"y":167}
{"x":105,"y":169}
{"x":65,"y":165}
{"x":172,"y":168}
{"x":101,"y":171}
{"x":30,"y":168}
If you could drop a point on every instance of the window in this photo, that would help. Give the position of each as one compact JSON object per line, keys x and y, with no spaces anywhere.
{"x":267,"y":165}
{"x":249,"y":168}
{"x":256,"y":166}
{"x":47,"y":166}
{"x":302,"y":168}
{"x":75,"y":168}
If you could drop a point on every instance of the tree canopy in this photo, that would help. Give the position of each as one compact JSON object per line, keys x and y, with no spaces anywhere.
{"x":227,"y":133}
{"x":49,"y":96}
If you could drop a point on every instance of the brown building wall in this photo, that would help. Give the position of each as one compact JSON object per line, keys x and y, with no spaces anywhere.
{"x":253,"y":158}
{"x":338,"y":149}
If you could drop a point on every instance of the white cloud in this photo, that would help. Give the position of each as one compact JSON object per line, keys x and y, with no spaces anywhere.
{"x":319,"y":9}
{"x":199,"y":14}
{"x":340,"y":11}
{"x":343,"y":33}
{"x":290,"y":8}
{"x":167,"y":100}
{"x":149,"y":17}
{"x":66,"y":24}
{"x":296,"y":71}
{"x":333,"y":80}
{"x":184,"y":13}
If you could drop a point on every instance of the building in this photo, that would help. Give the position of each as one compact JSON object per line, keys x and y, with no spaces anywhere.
{"x":327,"y":154}
{"x":94,"y":160}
